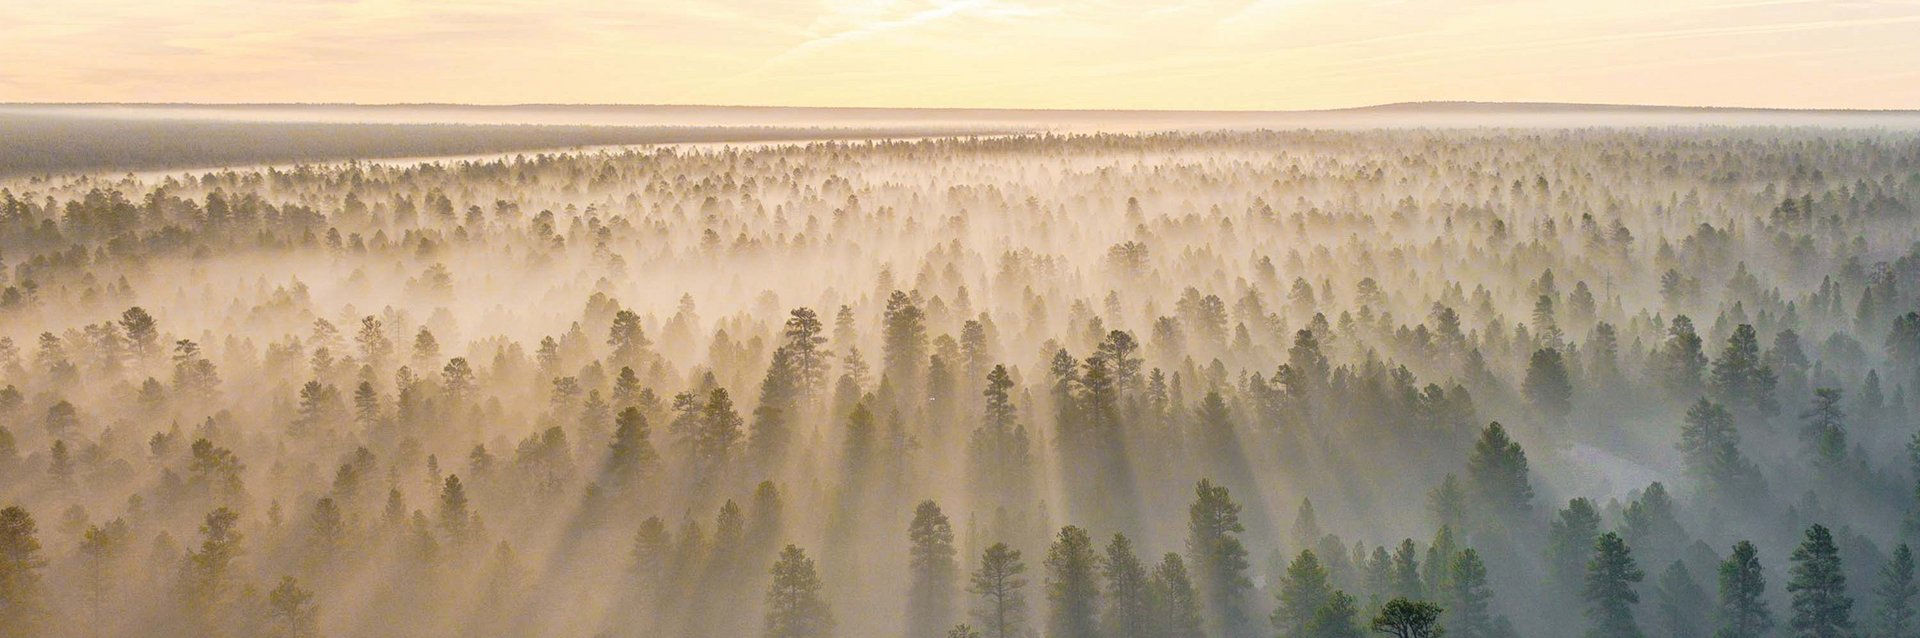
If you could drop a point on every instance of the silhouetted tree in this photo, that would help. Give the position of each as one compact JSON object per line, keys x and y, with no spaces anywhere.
{"x":796,"y":607}
{"x":1000,"y":606}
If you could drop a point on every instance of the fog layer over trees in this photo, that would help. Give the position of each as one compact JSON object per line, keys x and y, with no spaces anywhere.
{"x":1611,"y":382}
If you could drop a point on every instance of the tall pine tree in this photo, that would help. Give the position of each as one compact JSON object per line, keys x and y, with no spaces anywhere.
{"x":1821,"y":607}
{"x":932,"y":571}
{"x":1611,"y":576}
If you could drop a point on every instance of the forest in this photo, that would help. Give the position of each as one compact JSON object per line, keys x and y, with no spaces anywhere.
{"x":48,"y":140}
{"x":1475,"y":382}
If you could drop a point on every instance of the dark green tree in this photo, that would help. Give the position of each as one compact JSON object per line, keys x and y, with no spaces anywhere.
{"x":1303,"y":590}
{"x":1679,"y":601}
{"x":1743,"y":603}
{"x":1073,"y":589}
{"x":1611,"y":576}
{"x":1897,"y":593}
{"x":1404,"y":618}
{"x":1498,"y":471}
{"x":1821,"y":607}
{"x":1339,"y":617}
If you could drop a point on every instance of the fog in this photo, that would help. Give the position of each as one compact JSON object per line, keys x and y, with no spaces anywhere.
{"x":1223,"y":382}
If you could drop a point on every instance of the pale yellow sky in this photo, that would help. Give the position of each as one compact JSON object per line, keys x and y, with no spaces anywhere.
{"x":1201,"y":54}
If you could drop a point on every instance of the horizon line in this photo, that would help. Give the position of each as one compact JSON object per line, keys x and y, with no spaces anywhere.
{"x":1551,"y":105}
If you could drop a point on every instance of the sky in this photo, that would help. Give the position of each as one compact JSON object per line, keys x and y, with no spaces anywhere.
{"x":1102,"y":54}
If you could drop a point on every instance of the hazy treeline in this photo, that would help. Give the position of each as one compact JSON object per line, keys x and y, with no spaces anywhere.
{"x":38,"y":144}
{"x":1501,"y":382}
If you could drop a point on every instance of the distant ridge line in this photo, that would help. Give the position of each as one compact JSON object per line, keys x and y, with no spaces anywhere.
{"x":1431,"y":107}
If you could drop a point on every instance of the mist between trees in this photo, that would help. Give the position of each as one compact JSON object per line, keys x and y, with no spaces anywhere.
{"x":1612,"y":382}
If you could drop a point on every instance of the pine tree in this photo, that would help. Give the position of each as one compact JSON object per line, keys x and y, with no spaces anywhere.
{"x":292,"y":612}
{"x":1680,"y":601}
{"x":1339,"y":617}
{"x":1073,"y":593}
{"x":1404,"y":618}
{"x":1469,"y":599}
{"x":209,"y":578}
{"x":997,"y":452}
{"x":1821,"y":607}
{"x":652,"y":559}
{"x":631,"y":456}
{"x":718,"y":433}
{"x":1547,"y":386}
{"x":1570,"y":540}
{"x":1303,"y":590}
{"x":455,"y":519}
{"x":1129,"y":593}
{"x":932,"y":570}
{"x":1741,"y":379}
{"x":806,"y":343}
{"x":1001,"y":606}
{"x":1743,"y":603}
{"x":1176,"y":605}
{"x":796,"y":607}
{"x":904,"y":342}
{"x":1219,"y":560}
{"x":22,"y":608}
{"x":1897,"y":594}
{"x":1446,"y":502}
{"x":1710,"y":448}
{"x":1611,"y":575}
{"x":628,"y":339}
{"x":773,"y":418}
{"x":1439,"y":564}
{"x":1498,"y":472}
{"x":102,"y":548}
{"x":1678,"y":364}
{"x":1406,"y":572}
{"x":1825,"y":432}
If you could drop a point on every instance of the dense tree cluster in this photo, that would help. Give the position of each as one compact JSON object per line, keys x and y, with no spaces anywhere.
{"x":1231,"y":384}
